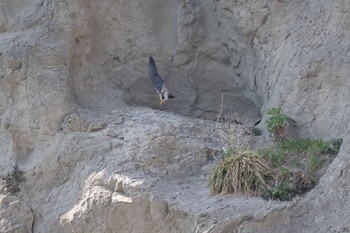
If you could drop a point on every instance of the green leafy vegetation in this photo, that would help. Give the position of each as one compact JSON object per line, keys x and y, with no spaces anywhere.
{"x":334,"y":146}
{"x":240,"y":172}
{"x":281,"y":191}
{"x":287,"y":168}
{"x":276,"y":157}
{"x":256,"y":131}
{"x":297,"y":163}
{"x":277,"y":123}
{"x":313,"y":164}
{"x":12,"y":180}
{"x":285,"y":173}
{"x":311,"y":146}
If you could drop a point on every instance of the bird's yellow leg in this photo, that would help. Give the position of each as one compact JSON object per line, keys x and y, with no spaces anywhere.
{"x":162,"y":101}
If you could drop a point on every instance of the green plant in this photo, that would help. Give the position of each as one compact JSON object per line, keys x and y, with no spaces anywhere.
{"x":296,"y":163}
{"x":334,"y":146}
{"x":241,"y":172}
{"x":310,"y":146}
{"x":285,"y":173}
{"x":295,"y":145}
{"x":313,"y":163}
{"x":256,"y":131}
{"x":277,"y":123}
{"x":281,"y":192}
{"x":12,"y":180}
{"x":275,"y":156}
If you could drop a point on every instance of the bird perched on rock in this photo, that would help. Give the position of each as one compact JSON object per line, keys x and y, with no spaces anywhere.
{"x":158,"y":82}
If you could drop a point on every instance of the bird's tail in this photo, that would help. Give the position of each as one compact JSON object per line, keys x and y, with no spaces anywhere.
{"x":151,"y":61}
{"x":171,"y":96}
{"x":152,"y":66}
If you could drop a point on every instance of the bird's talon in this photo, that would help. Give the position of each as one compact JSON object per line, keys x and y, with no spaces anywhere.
{"x":162,"y":101}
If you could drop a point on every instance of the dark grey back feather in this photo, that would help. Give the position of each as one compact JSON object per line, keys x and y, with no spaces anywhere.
{"x":153,"y":75}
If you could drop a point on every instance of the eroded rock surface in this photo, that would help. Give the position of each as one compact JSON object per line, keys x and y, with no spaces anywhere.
{"x":15,"y":215}
{"x":74,"y":114}
{"x":110,"y":43}
{"x":296,"y":56}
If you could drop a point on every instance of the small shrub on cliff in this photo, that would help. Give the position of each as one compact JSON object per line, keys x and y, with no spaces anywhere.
{"x":256,"y":131}
{"x":313,"y":164}
{"x":298,"y":164}
{"x":240,"y":172}
{"x":333,"y":146}
{"x":281,"y":191}
{"x":274,"y":156}
{"x":12,"y":180}
{"x":311,"y":146}
{"x":277,"y":123}
{"x":315,"y":150}
{"x":286,"y":187}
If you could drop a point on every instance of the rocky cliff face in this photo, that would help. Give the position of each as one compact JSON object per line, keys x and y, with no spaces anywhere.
{"x":80,"y":118}
{"x":296,"y":56}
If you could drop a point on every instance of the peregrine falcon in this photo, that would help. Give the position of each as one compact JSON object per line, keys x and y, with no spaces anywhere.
{"x":158,"y":82}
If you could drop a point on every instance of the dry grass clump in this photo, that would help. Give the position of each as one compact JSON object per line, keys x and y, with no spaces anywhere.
{"x":230,"y":129}
{"x":280,"y":169}
{"x":240,"y":172}
{"x":233,"y":135}
{"x":228,"y":132}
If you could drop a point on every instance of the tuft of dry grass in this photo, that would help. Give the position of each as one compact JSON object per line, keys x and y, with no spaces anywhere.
{"x":241,"y":172}
{"x":233,"y":135}
{"x":231,"y":131}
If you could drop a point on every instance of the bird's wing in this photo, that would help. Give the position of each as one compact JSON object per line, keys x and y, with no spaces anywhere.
{"x":153,"y":75}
